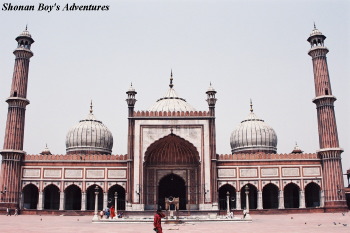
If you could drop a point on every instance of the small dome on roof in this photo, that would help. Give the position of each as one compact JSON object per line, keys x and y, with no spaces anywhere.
{"x":26,"y":33}
{"x":46,"y":151}
{"x":211,"y":88}
{"x":315,"y":32}
{"x":131,"y":88}
{"x":297,"y":149}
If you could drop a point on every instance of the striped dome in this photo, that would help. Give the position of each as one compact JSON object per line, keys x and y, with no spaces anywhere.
{"x":89,"y":136}
{"x":171,"y":102}
{"x":253,"y":135}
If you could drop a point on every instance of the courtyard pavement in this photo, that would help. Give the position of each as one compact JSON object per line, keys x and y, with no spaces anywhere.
{"x":316,"y":222}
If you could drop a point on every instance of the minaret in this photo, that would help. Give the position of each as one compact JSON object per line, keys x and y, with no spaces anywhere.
{"x":329,"y":151}
{"x":131,"y":100}
{"x":12,"y":153}
{"x":212,"y":142}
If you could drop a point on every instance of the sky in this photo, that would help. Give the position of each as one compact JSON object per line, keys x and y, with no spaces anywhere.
{"x":247,"y":49}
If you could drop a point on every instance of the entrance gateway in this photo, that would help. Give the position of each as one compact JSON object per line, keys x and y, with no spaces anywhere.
{"x":171,"y":170}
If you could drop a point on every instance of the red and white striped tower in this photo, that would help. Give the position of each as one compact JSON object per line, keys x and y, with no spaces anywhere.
{"x":211,"y":99}
{"x":131,"y":100}
{"x":12,"y":152}
{"x":329,"y":152}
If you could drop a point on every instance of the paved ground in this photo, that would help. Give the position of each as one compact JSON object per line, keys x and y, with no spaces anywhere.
{"x":261,"y":223}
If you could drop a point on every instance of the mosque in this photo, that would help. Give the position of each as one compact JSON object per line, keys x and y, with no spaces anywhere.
{"x":172,"y":153}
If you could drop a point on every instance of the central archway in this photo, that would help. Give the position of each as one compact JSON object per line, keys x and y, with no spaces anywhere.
{"x":171,"y":168}
{"x":174,"y":186}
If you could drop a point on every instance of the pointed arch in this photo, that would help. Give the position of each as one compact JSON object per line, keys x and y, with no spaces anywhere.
{"x":90,"y":197}
{"x":312,"y":195}
{"x":253,"y":196}
{"x":30,"y":196}
{"x":51,"y":197}
{"x":291,"y":195}
{"x":173,"y":150}
{"x":120,"y":197}
{"x":270,"y":196}
{"x":72,"y":200}
{"x":223,"y":190}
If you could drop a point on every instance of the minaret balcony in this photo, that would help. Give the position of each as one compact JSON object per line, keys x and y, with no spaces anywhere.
{"x":17,"y":102}
{"x":324,"y":100}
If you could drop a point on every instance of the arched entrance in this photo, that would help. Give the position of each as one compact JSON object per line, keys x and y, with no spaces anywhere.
{"x":120,"y":199}
{"x":90,"y":198}
{"x":51,"y":197}
{"x":30,"y":196}
{"x":270,"y":196}
{"x":253,"y":194}
{"x":291,"y":196}
{"x":72,"y":200}
{"x":312,"y":195}
{"x":223,"y":197}
{"x":171,"y":160}
{"x":174,"y":186}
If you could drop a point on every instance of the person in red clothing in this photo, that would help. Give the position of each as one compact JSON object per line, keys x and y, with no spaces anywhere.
{"x":157,"y":223}
{"x":112,"y":211}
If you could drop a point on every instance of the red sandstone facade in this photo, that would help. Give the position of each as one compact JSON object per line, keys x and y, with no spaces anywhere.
{"x":173,"y":153}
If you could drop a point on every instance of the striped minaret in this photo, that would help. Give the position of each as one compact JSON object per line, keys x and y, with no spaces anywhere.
{"x":12,"y":152}
{"x":131,"y":101}
{"x":211,"y":99}
{"x":330,"y":152}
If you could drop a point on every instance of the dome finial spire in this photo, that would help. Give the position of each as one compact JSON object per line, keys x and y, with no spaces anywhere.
{"x":91,"y":107}
{"x":251,"y":105}
{"x":171,"y":79}
{"x":26,"y":27}
{"x":314,"y":25}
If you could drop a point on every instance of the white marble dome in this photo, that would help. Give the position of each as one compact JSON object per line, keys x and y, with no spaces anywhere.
{"x":253,"y":135}
{"x":89,"y":136}
{"x":171,"y":102}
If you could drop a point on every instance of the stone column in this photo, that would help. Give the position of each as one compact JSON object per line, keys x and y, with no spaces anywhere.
{"x":116,"y":204}
{"x":228,"y":203}
{"x":246,"y":214}
{"x":83,"y":201}
{"x":61,"y":200}
{"x":321,"y":198}
{"x":40,"y":201}
{"x":21,"y":198}
{"x":281,"y":200}
{"x":95,"y":218}
{"x":105,"y":200}
{"x":260,"y":205}
{"x":301,"y":199}
{"x":238,"y":201}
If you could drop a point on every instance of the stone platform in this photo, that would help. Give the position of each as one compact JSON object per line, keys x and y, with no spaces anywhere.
{"x":173,"y":221}
{"x":286,"y":223}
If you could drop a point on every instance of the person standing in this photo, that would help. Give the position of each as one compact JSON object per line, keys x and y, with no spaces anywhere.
{"x":157,"y":223}
{"x":16,"y":212}
{"x":112,"y":211}
{"x":8,"y":211}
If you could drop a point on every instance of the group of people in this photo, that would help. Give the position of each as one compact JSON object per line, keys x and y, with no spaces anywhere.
{"x":110,"y":213}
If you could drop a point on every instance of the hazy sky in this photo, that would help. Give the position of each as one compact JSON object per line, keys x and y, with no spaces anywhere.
{"x":247,"y":49}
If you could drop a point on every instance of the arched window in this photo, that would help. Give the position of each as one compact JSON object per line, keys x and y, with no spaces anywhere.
{"x":223,"y":197}
{"x":312,"y":195}
{"x":270,"y":196}
{"x":291,"y":196}
{"x":253,"y":194}
{"x":30,"y":196}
